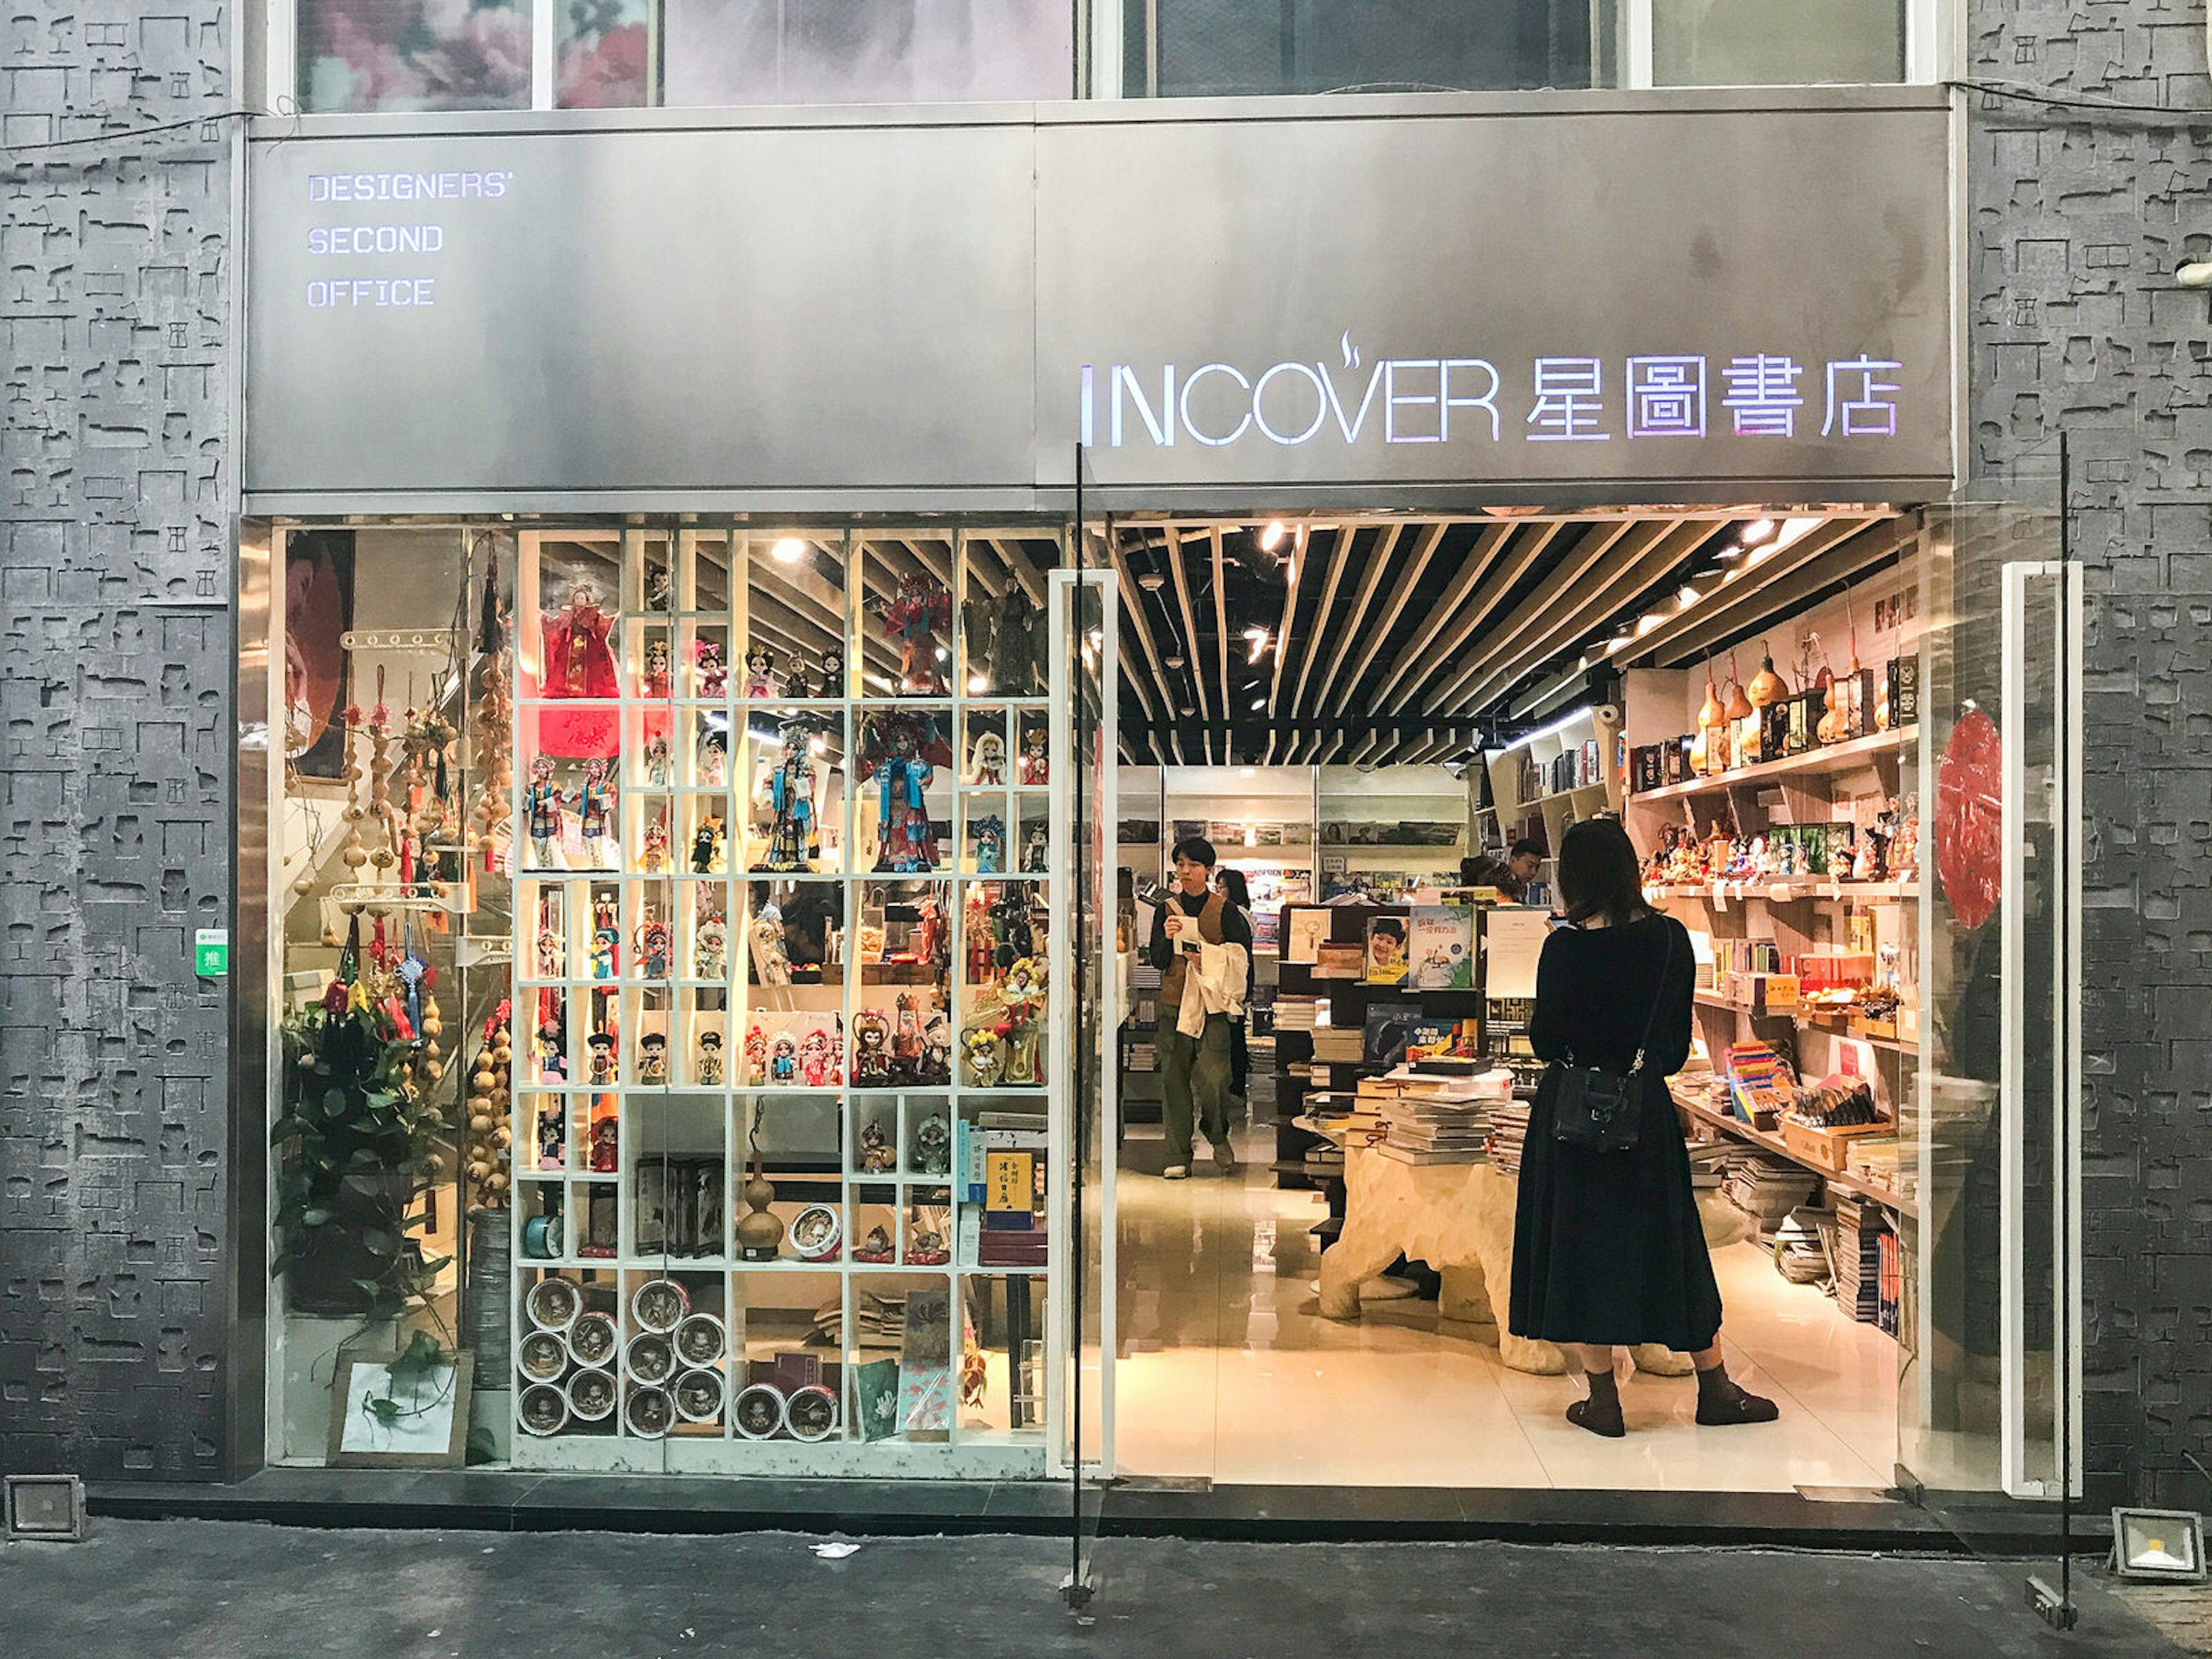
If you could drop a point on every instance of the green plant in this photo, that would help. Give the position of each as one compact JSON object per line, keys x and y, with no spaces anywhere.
{"x":357,"y":1145}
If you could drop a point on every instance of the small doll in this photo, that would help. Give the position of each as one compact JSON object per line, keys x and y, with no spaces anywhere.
{"x":987,"y":761}
{"x":656,"y":681}
{"x":877,"y":1157}
{"x":714,"y":759}
{"x":549,"y":955}
{"x":602,"y":1045}
{"x":871,"y":1049}
{"x":833,"y":673}
{"x":932,"y":1147}
{"x":604,"y":1134}
{"x":713,"y":672}
{"x":653,"y":1058}
{"x":983,"y":1057}
{"x":708,"y":1064}
{"x":1036,"y":766}
{"x":838,"y":1054}
{"x":814,"y":1058}
{"x":760,"y":672}
{"x":783,"y":1058}
{"x":654,"y":858}
{"x":551,"y":1145}
{"x":937,"y":1052}
{"x":595,"y":806}
{"x":755,"y":1057}
{"x":878,"y":1247}
{"x":710,"y":950}
{"x":541,"y":805}
{"x":605,"y":940}
{"x":657,"y":763}
{"x":1036,"y":852}
{"x":659,"y":588}
{"x":990,"y":845}
{"x":654,"y":946}
{"x":795,"y":684}
{"x":552,"y":1064}
{"x":707,"y":846}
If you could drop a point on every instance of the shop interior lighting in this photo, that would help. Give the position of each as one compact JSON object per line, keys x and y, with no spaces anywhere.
{"x":881,"y":683}
{"x":789,"y":550}
{"x":1171,"y":661}
{"x":977,"y":683}
{"x":820,"y":745}
{"x":49,"y":1508}
{"x":1257,"y":639}
{"x":1757,"y":529}
{"x":1644,"y":625}
{"x":2194,"y":273}
{"x":1258,"y":704}
{"x":1688,"y":596}
{"x":1792,"y":530}
{"x":1151,"y":581}
{"x":2159,"y":1544}
{"x":1571,"y":718}
{"x":1272,"y":537}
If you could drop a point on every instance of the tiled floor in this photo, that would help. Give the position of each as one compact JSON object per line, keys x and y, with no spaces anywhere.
{"x":1229,"y":1371}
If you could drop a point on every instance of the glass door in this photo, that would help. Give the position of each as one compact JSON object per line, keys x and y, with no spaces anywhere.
{"x":1086,"y":990}
{"x":1986,"y":1273}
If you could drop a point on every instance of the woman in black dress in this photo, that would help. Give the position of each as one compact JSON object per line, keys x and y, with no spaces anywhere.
{"x":1607,"y":1248}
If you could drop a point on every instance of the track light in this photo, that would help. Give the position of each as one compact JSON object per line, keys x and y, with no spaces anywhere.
{"x":1758,"y":530}
{"x":1257,"y":638}
{"x":1272,"y":537}
{"x":2194,"y":273}
{"x":789,"y":550}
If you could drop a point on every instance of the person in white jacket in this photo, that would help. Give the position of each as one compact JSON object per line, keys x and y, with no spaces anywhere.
{"x":1195,"y":1065}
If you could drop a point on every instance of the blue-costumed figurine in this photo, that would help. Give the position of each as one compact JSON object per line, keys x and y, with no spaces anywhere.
{"x":794,"y":830}
{"x":990,"y":845}
{"x":902,"y":755}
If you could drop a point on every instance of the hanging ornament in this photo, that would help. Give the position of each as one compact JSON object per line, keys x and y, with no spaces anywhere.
{"x":1712,"y":729}
{"x":1766,"y":686}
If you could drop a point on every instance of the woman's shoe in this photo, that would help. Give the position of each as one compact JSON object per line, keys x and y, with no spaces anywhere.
{"x":1600,"y":1413}
{"x":1723,"y":1402}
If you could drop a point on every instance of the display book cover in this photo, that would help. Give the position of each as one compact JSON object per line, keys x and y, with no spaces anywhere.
{"x":1000,"y":1158}
{"x":1440,"y":947}
{"x":1386,"y":950}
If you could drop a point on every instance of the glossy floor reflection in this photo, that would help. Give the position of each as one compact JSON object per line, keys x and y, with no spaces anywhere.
{"x":1229,"y":1372}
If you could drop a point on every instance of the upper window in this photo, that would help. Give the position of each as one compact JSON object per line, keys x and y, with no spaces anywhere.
{"x":414,"y":54}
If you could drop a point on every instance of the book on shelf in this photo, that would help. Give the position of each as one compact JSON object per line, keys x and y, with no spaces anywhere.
{"x":1334,"y":961}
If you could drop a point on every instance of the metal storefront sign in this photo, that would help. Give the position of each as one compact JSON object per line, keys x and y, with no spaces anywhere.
{"x":1678,"y":303}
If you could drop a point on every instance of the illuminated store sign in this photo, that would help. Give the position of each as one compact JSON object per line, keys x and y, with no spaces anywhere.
{"x":1432,"y":400}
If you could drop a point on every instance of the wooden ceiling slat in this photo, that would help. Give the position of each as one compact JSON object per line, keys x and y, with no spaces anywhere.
{"x":1189,"y":622}
{"x":1221,"y":626}
{"x":1378,"y":566}
{"x":1290,"y":615}
{"x":1596,"y":546}
{"x":1340,"y":544}
{"x":1426,"y":539}
{"x":1133,"y":605}
{"x":1477,"y":559}
{"x":1712,"y":619}
{"x":1582,"y":610}
{"x":1518,"y":557}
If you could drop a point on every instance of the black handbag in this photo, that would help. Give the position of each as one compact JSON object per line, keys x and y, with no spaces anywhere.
{"x":1599,"y":1109}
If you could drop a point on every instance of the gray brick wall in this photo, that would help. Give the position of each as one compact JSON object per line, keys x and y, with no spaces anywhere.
{"x":116,"y":660}
{"x":2078,"y":220}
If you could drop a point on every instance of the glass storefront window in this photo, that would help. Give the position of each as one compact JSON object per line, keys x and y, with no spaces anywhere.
{"x":1752,"y":43}
{"x":867,"y":51}
{"x":666,"y":915}
{"x":605,"y":53}
{"x":358,"y":55}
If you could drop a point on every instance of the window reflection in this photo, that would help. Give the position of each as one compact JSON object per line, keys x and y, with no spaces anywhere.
{"x":606,"y":53}
{"x":413,"y":54}
{"x":866,"y":51}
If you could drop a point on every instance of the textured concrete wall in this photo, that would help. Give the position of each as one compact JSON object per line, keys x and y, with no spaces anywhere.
{"x":2079,"y":218}
{"x":115,"y":671}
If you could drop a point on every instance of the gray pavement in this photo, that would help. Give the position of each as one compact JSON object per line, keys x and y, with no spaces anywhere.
{"x":196,"y":1590}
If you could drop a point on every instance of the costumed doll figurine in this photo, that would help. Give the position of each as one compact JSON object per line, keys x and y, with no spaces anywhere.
{"x":987,"y":761}
{"x":655,"y":946}
{"x":920,"y":614}
{"x":713,"y":670}
{"x":814,"y":1058}
{"x":714,"y":759}
{"x":903,"y":755}
{"x":990,"y":845}
{"x":833,"y":673}
{"x":760,"y":672}
{"x":783,"y":1058}
{"x":595,"y":805}
{"x":654,"y":858}
{"x":710,"y":950}
{"x":708,"y":1064}
{"x":1036,"y":764}
{"x":787,"y":794}
{"x":656,"y":681}
{"x":656,"y":763}
{"x":579,"y":664}
{"x":796,"y":683}
{"x":541,"y":807}
{"x":707,"y":846}
{"x":1036,"y":852}
{"x":652,"y":1057}
{"x":606,"y":940}
{"x":871,"y":1049}
{"x":755,"y":1057}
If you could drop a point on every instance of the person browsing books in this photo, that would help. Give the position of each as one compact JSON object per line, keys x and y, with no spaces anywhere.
{"x":1510,"y":875}
{"x":1193,"y":1070}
